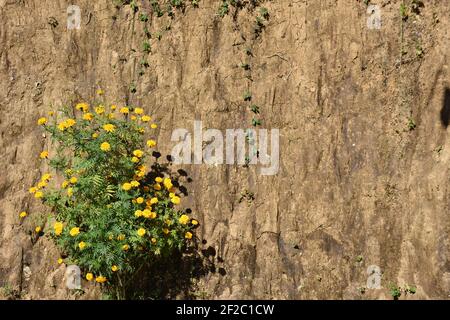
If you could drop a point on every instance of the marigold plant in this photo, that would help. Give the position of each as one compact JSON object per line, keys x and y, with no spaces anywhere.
{"x":110,"y":214}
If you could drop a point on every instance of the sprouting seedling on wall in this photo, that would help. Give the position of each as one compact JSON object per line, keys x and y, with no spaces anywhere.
{"x":195,"y":3}
{"x":262,"y":17}
{"x":419,"y":50}
{"x":395,"y":291}
{"x":254,"y":108}
{"x":411,"y":124}
{"x":169,"y":10}
{"x":143,"y":17}
{"x":146,"y":47}
{"x":177,"y":3}
{"x":404,"y":12}
{"x":245,"y":66}
{"x":264,"y":13}
{"x":157,"y":8}
{"x":223,"y":9}
{"x":134,"y":6}
{"x":256,"y":122}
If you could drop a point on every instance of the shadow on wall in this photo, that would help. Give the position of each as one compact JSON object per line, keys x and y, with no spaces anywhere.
{"x":172,"y":276}
{"x":445,"y":111}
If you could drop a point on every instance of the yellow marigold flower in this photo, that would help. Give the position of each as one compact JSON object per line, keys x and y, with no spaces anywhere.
{"x":153,"y":126}
{"x":100,"y":92}
{"x":33,"y":190}
{"x":89,"y":276}
{"x":43,"y":155}
{"x":126,"y":186}
{"x":23,"y":214}
{"x":153,"y":240}
{"x":133,"y":118}
{"x":70,"y":192}
{"x":64,"y":184}
{"x":60,"y":260}
{"x":154,"y":200}
{"x":140,"y":200}
{"x":113,"y":107}
{"x":140,"y":174}
{"x":151,"y":143}
{"x":74,"y":231}
{"x":194,"y":222}
{"x":105,"y":146}
{"x":42,"y":121}
{"x":100,"y":109}
{"x":62,"y":126}
{"x":111,"y":116}
{"x":138,"y":153}
{"x":124,"y":110}
{"x":141,"y":232}
{"x":157,"y":186}
{"x":101,"y":279}
{"x":184,"y":219}
{"x":141,"y":130}
{"x":168,"y":183}
{"x":95,"y":135}
{"x":70,"y":123}
{"x":138,"y":213}
{"x":135,"y":183}
{"x":68,"y":171}
{"x":146,"y":213}
{"x":188,"y":235}
{"x":82,"y":106}
{"x":73,"y":180}
{"x":109,"y":127}
{"x":82,"y":245}
{"x":138,"y":110}
{"x":175,"y":200}
{"x":125,"y":247}
{"x":46,"y":177}
{"x":38,"y":194}
{"x":146,"y":118}
{"x":88,"y":116}
{"x":135,"y":159}
{"x":114,"y":268}
{"x":159,"y":179}
{"x":58,"y":226}
{"x":121,"y":237}
{"x":37,"y":229}
{"x":168,"y":222}
{"x":42,"y":184}
{"x":171,"y":195}
{"x":165,"y":231}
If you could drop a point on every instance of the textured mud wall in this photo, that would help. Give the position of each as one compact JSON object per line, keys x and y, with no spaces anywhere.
{"x":357,"y":185}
